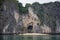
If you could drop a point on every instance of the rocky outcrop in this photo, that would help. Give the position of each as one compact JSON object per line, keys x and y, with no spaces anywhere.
{"x":30,"y":21}
{"x":48,"y":14}
{"x":9,"y":16}
{"x":38,"y":18}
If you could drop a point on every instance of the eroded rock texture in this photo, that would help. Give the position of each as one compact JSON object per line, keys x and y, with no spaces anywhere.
{"x":8,"y":16}
{"x":47,"y":13}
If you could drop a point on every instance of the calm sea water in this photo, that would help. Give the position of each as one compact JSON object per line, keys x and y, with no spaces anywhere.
{"x":18,"y":37}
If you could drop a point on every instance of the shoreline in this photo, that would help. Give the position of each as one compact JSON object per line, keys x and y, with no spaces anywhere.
{"x":33,"y":34}
{"x":30,"y":34}
{"x":40,"y":34}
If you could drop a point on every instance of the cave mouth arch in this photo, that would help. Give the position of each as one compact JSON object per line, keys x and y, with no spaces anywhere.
{"x":30,"y":28}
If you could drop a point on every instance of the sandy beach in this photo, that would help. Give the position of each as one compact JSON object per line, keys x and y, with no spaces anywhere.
{"x":33,"y":34}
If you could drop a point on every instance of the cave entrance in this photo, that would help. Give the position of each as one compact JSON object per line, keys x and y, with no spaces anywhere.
{"x":30,"y":28}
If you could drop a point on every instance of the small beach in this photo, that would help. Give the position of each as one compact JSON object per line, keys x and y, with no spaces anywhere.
{"x":33,"y":34}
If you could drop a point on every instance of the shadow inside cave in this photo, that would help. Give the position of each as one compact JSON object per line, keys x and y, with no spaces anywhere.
{"x":30,"y":28}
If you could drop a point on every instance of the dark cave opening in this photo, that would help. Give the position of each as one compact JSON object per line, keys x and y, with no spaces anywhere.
{"x":30,"y":28}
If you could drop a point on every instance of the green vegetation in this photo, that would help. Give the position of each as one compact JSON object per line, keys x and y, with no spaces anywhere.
{"x":22,"y":10}
{"x":1,"y":1}
{"x":43,"y":11}
{"x":28,"y":5}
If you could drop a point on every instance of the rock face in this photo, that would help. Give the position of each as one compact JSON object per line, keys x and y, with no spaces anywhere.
{"x":31,"y":21}
{"x":47,"y":13}
{"x":37,"y":18}
{"x":9,"y":16}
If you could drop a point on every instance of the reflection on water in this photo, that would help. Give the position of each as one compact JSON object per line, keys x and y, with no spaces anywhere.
{"x":1,"y":38}
{"x":18,"y":37}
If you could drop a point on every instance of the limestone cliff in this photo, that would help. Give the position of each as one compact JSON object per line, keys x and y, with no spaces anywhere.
{"x":31,"y":19}
{"x":47,"y":13}
{"x":38,"y":18}
{"x":9,"y":16}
